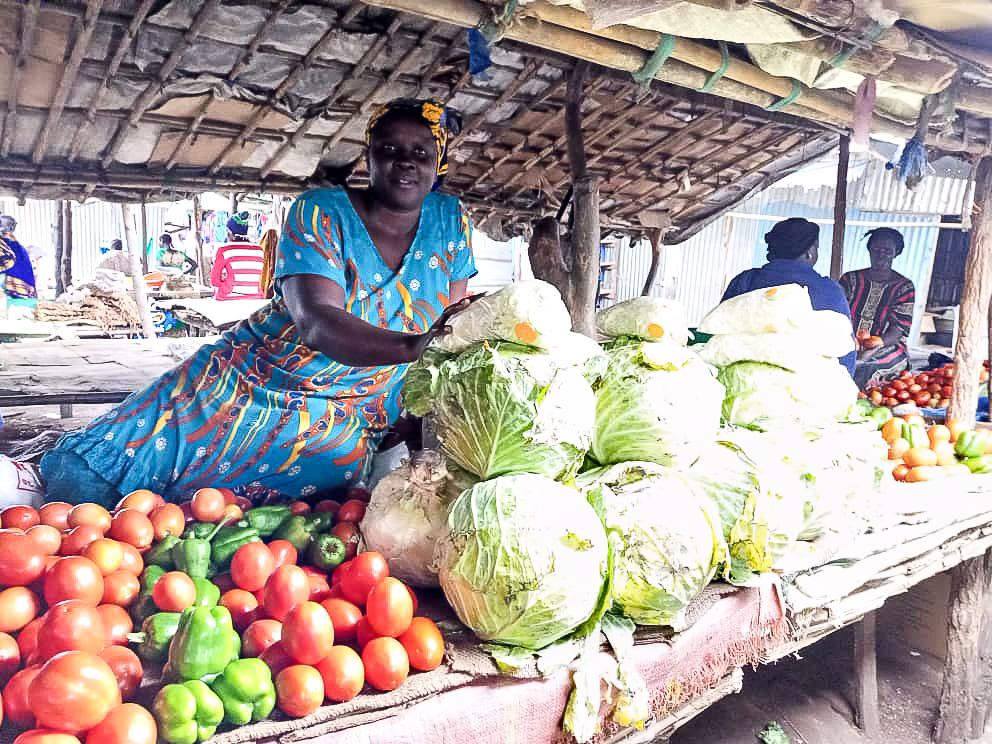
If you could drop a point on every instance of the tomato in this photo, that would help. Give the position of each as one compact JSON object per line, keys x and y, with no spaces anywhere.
{"x":71,"y":625}
{"x":107,"y":554}
{"x":938,"y":433}
{"x":55,"y":514}
{"x":74,"y":577}
{"x":21,"y":559}
{"x":133,"y":563}
{"x":327,"y":505}
{"x":89,"y":514}
{"x":16,"y":705}
{"x":174,"y":592}
{"x":187,"y":507}
{"x":284,"y":553}
{"x":126,"y":724}
{"x":364,"y":632}
{"x":338,"y":573}
{"x":18,"y":607}
{"x":955,"y":427}
{"x":922,"y":473}
{"x":319,"y":590}
{"x":20,"y":517}
{"x":242,"y":605}
{"x":914,"y":418}
{"x":386,"y":663}
{"x":299,"y":690}
{"x":45,"y":736}
{"x":307,"y":633}
{"x":232,"y":513}
{"x":251,"y":566}
{"x":10,"y":658}
{"x":344,"y":617}
{"x":259,"y":636}
{"x":918,"y":456}
{"x":229,"y":496}
{"x":343,"y":674}
{"x":77,"y":538}
{"x":347,"y":532}
{"x":276,"y":658}
{"x":132,"y":527}
{"x":27,"y":639}
{"x":424,"y":644}
{"x":116,"y":623}
{"x":299,"y":507}
{"x":287,"y":587}
{"x":899,"y":385}
{"x":892,"y":429}
{"x":413,"y":598}
{"x":224,"y":582}
{"x":167,"y":519}
{"x":366,"y":570}
{"x":900,"y":471}
{"x":127,"y":669}
{"x":208,"y":505}
{"x":47,"y":538}
{"x":898,"y":448}
{"x":360,"y":494}
{"x":389,"y":608}
{"x":142,"y":500}
{"x":352,"y":510}
{"x":73,"y":692}
{"x":120,"y":588}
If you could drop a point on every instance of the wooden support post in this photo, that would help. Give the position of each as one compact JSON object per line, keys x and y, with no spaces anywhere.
{"x":969,"y":581}
{"x":866,"y":676}
{"x":203,"y":275}
{"x":654,"y":236}
{"x":982,"y":699}
{"x":66,"y":266}
{"x":144,"y":238}
{"x":128,"y":217}
{"x":969,"y":352}
{"x":840,"y":209}
{"x":58,"y":236}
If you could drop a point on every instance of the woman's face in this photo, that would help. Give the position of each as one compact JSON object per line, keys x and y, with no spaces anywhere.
{"x":402,"y":162}
{"x":882,"y":251}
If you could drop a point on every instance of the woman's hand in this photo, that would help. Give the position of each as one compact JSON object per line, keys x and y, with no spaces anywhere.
{"x":440,"y":326}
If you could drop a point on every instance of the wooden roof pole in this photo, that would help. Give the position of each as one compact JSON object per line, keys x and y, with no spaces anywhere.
{"x":840,"y":209}
{"x":29,"y":19}
{"x":135,"y":251}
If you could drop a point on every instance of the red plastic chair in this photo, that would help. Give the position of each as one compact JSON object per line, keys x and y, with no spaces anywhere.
{"x":236,"y":272}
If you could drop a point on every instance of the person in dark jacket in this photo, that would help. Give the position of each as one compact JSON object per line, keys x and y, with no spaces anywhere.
{"x":793,"y":247}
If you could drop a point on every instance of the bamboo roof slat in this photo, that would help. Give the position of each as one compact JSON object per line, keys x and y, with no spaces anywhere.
{"x":29,"y":18}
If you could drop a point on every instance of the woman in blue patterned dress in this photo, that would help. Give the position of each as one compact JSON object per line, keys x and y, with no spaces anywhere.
{"x":297,"y":397}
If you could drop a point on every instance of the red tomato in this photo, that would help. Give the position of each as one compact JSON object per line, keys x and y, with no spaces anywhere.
{"x":27,"y":639}
{"x":366,"y":570}
{"x":347,"y":532}
{"x":21,"y":560}
{"x":352,"y":510}
{"x":166,"y":520}
{"x":73,"y":692}
{"x":251,"y":566}
{"x":174,"y":592}
{"x":142,"y":500}
{"x":10,"y":658}
{"x":327,"y":505}
{"x":232,"y":513}
{"x":16,"y":705}
{"x":319,"y":590}
{"x":116,"y":623}
{"x":299,"y":507}
{"x":107,"y":554}
{"x":343,"y":674}
{"x":360,"y":494}
{"x":126,"y":724}
{"x":224,"y":582}
{"x":229,"y":496}
{"x":299,"y":690}
{"x":187,"y":508}
{"x":71,"y":625}
{"x":424,"y":644}
{"x":77,"y":538}
{"x":276,"y":658}
{"x":208,"y":505}
{"x":389,"y":608}
{"x":132,"y":527}
{"x":364,"y":632}
{"x":335,"y":592}
{"x":307,"y":633}
{"x":47,"y":538}
{"x":344,"y":617}
{"x":127,"y":669}
{"x":18,"y":607}
{"x":413,"y":598}
{"x":20,"y":517}
{"x":386,"y":663}
{"x":133,"y":563}
{"x":89,"y":514}
{"x":338,"y":573}
{"x":55,"y":514}
{"x":74,"y":577}
{"x":242,"y":605}
{"x":120,"y":588}
{"x":287,"y":587}
{"x":45,"y":736}
{"x":259,"y":636}
{"x":284,"y":553}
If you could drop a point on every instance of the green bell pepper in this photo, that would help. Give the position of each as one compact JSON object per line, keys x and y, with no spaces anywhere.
{"x":226,"y":545}
{"x":266,"y":519}
{"x":916,"y":435}
{"x":199,"y":530}
{"x":157,"y":632}
{"x":864,"y":407}
{"x":187,"y":713}
{"x":970,"y":444}
{"x":161,"y":554}
{"x":203,"y":643}
{"x":150,"y":576}
{"x":326,"y":552}
{"x":296,"y":531}
{"x":192,"y":555}
{"x":319,"y":522}
{"x":207,"y":593}
{"x":881,"y":415}
{"x":142,"y":608}
{"x":979,"y":465}
{"x":246,"y":690}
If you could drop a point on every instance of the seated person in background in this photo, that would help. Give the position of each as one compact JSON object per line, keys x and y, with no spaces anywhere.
{"x":237,"y":228}
{"x":16,"y":273}
{"x":116,"y":259}
{"x":882,"y":302}
{"x":792,"y":251}
{"x":171,"y":257}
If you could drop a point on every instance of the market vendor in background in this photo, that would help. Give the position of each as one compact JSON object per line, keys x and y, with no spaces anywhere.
{"x":16,"y":272}
{"x":237,"y":228}
{"x":881,"y":302}
{"x":793,"y":247}
{"x":297,"y":397}
{"x":172,"y":257}
{"x":116,"y":259}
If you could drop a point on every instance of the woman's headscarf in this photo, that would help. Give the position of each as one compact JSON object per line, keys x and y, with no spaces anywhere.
{"x":791,"y":238}
{"x":440,"y":120}
{"x":238,"y":225}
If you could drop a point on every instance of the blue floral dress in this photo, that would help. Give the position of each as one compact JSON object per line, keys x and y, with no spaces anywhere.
{"x":258,"y":407}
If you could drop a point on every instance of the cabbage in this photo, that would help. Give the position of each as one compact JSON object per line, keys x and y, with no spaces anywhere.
{"x":524,"y":560}
{"x":648,"y":318}
{"x":670,"y":546}
{"x":763,"y":396}
{"x":791,"y":351}
{"x":406,"y":516}
{"x":502,"y":408}
{"x":657,"y":401}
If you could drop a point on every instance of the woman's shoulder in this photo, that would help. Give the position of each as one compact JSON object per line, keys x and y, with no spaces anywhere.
{"x":443,"y":204}
{"x":901,"y":281}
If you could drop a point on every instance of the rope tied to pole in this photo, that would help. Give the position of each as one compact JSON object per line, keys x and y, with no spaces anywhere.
{"x":797,"y":91}
{"x":720,"y":71}
{"x":499,"y":23}
{"x":649,"y":70}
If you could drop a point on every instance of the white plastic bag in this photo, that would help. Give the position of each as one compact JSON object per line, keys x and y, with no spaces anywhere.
{"x":771,"y":310}
{"x":647,"y":318}
{"x":19,"y":484}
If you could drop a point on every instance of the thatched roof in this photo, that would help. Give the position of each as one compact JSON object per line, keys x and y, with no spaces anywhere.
{"x":157,"y":99}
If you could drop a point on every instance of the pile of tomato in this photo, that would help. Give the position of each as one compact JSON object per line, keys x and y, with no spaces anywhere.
{"x":68,"y":575}
{"x":931,"y":389}
{"x":922,"y":453}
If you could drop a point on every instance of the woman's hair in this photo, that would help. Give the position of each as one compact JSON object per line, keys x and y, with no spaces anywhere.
{"x":116,"y":245}
{"x":791,"y":238}
{"x":165,"y":239}
{"x":7,"y":223}
{"x":879,"y":233}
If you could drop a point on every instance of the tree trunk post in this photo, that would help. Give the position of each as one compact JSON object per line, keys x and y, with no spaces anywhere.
{"x":654,"y":236}
{"x":203,"y":275}
{"x":866,"y":676}
{"x":58,"y":217}
{"x":840,"y":209}
{"x":144,"y":238}
{"x":969,"y":353}
{"x":128,"y":217}
{"x":65,"y":268}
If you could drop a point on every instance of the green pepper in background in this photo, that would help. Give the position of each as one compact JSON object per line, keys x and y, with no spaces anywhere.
{"x":207,"y":593}
{"x":199,"y":530}
{"x":142,"y":608}
{"x":157,"y":632}
{"x":326,"y":552}
{"x":161,"y":554}
{"x":150,"y":576}
{"x":865,"y":407}
{"x":192,"y":555}
{"x":970,"y":444}
{"x":916,"y":435}
{"x":235,"y":646}
{"x":203,"y":643}
{"x":246,"y":690}
{"x":319,"y":522}
{"x":881,"y":415}
{"x":187,"y":713}
{"x":266,"y":519}
{"x":296,"y":531}
{"x":979,"y":465}
{"x":224,"y":547}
